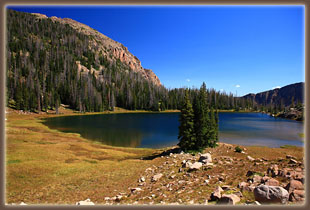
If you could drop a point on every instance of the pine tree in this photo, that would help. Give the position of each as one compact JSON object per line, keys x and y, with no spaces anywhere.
{"x":186,"y":128}
{"x":201,"y":118}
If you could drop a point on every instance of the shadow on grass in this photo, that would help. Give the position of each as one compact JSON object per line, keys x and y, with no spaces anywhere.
{"x":174,"y":150}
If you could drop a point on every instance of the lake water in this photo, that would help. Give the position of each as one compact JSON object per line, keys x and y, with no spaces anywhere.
{"x":156,"y":130}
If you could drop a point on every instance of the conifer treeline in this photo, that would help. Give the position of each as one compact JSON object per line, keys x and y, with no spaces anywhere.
{"x":198,"y":123}
{"x":42,"y":73}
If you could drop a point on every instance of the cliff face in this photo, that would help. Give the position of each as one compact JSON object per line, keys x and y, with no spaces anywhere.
{"x":107,"y":47}
{"x":283,"y":95}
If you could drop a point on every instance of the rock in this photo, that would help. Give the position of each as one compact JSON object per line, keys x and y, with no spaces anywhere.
{"x":187,"y":164}
{"x":118,"y":198}
{"x":243,"y":186}
{"x":229,"y":199}
{"x":205,"y":158}
{"x":86,"y":202}
{"x":216,"y":195}
{"x":195,"y":166}
{"x":23,"y":204}
{"x":142,"y":179}
{"x":293,"y":161}
{"x":250,"y":173}
{"x":257,"y":179}
{"x":297,"y":196}
{"x":206,"y":181}
{"x":136,"y":189}
{"x":273,"y":170}
{"x":226,"y":187}
{"x":285,"y":172}
{"x":107,"y":198}
{"x":271,"y":194}
{"x":239,"y":194}
{"x":294,"y":185}
{"x":156,"y":177}
{"x":250,"y":158}
{"x":171,"y":176}
{"x":272,"y":182}
{"x":290,"y":157}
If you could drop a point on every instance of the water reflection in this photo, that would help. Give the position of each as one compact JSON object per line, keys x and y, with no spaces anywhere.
{"x":161,"y":129}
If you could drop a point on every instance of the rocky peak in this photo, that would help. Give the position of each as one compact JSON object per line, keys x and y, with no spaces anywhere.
{"x":111,"y":49}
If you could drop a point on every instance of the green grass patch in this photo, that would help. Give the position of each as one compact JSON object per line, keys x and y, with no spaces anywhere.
{"x":13,"y":161}
{"x":91,"y":161}
{"x":288,"y":146}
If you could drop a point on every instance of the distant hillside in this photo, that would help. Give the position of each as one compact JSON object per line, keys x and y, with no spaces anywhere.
{"x":280,"y":96}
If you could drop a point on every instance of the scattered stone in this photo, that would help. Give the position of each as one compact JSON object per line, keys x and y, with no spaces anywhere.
{"x":142,"y":179}
{"x":239,"y":194}
{"x":205,"y":158}
{"x":243,"y":186}
{"x":118,"y":198}
{"x":250,"y":158}
{"x":250,"y":173}
{"x":257,"y":179}
{"x":297,"y":196}
{"x":293,"y":161}
{"x":271,"y":194}
{"x":136,"y":189}
{"x":272,"y":182}
{"x":229,"y":199}
{"x":216,"y":195}
{"x":294,"y":185}
{"x":23,"y":204}
{"x":206,"y":181}
{"x":290,"y":157}
{"x":86,"y":202}
{"x":226,"y":187}
{"x":107,"y":198}
{"x":273,"y":170}
{"x":195,"y":166}
{"x":156,"y":177}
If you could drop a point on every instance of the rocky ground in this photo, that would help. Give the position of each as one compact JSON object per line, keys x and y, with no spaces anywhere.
{"x":216,"y":178}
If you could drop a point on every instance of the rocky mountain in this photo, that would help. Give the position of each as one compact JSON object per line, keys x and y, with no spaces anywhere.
{"x":53,"y":61}
{"x":107,"y":47}
{"x":279,"y":96}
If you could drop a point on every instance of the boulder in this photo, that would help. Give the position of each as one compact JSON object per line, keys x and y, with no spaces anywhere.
{"x":205,"y":158}
{"x":244,"y":186}
{"x":156,"y":177}
{"x":216,"y":195}
{"x":86,"y":202}
{"x":273,"y":170}
{"x":293,"y":161}
{"x":229,"y":199}
{"x":294,"y":185}
{"x":271,"y":194}
{"x":195,"y":166}
{"x":272,"y":182}
{"x":142,"y":179}
{"x":297,"y":196}
{"x":257,"y":179}
{"x":250,"y":158}
{"x":136,"y":189}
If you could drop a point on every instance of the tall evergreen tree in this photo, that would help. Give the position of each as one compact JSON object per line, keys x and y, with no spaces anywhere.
{"x":186,"y":128}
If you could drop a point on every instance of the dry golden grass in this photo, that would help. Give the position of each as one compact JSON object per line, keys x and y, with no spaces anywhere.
{"x":45,"y":166}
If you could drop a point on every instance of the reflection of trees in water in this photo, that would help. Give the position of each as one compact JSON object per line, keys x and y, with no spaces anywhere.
{"x":128,"y":138}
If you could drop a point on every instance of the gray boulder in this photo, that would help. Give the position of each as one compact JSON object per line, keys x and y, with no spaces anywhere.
{"x":271,"y":194}
{"x":205,"y":158}
{"x":229,"y":199}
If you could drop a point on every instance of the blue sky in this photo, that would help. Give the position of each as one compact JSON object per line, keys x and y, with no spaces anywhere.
{"x":238,"y":49}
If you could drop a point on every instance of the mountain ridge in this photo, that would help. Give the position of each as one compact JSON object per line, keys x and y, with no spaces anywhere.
{"x":107,"y":46}
{"x":283,"y":96}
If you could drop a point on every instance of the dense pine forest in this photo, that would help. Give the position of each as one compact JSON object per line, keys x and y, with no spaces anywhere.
{"x":44,"y":59}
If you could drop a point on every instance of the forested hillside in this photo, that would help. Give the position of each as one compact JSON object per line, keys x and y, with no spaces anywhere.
{"x":53,"y":61}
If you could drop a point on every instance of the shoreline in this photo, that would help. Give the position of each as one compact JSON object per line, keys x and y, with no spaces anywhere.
{"x":46,"y":165}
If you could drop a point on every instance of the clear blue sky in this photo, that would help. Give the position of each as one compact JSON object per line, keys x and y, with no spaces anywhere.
{"x":247,"y":49}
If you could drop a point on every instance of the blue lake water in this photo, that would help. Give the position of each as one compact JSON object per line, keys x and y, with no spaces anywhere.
{"x":156,"y":130}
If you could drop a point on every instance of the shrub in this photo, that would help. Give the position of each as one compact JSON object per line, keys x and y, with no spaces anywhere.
{"x":238,"y":149}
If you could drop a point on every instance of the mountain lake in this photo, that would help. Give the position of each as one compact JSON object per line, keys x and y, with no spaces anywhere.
{"x":158,"y":130}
